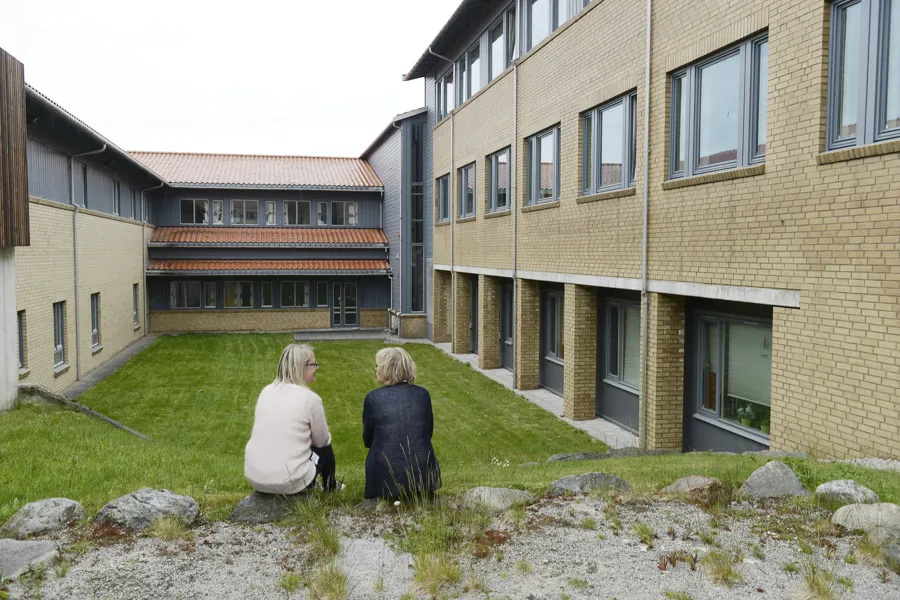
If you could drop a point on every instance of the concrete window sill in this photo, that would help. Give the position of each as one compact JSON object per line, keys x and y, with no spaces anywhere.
{"x":137,"y":326}
{"x":544,"y":206}
{"x":606,"y":196}
{"x":60,"y":370}
{"x":466,"y":219}
{"x":23,"y":373}
{"x":96,"y":350}
{"x":753,"y":171}
{"x":498,"y":213}
{"x":878,"y":149}
{"x":442,"y":224}
{"x":759,"y":438}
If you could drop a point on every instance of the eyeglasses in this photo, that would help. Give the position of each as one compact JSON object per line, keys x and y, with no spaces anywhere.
{"x":314,"y":365}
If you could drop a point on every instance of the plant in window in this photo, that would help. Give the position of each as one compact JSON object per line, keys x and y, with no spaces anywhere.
{"x":746,"y":415}
{"x":764,"y":426}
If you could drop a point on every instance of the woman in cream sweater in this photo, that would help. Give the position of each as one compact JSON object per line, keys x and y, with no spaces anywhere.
{"x":290,"y":444}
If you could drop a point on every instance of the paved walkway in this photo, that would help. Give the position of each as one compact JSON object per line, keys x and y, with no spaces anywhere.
{"x":97,"y":375}
{"x":609,"y":433}
{"x":340,"y":334}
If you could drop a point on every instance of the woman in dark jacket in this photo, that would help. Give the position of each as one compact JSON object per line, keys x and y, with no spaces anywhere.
{"x":397,"y":428}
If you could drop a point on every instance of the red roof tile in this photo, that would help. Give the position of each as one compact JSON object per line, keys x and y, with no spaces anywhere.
{"x":184,"y":169}
{"x":267,"y":265}
{"x":266,"y":236}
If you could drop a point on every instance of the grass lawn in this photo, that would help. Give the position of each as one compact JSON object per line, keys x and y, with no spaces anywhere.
{"x":195,"y":394}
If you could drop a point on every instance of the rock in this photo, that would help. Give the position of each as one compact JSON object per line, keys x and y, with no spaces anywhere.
{"x":884,"y":535}
{"x":892,"y":555}
{"x":16,"y":556}
{"x":845,"y":491}
{"x":495,"y":500}
{"x":138,"y":510}
{"x":580,"y":456}
{"x":369,"y":505}
{"x":774,"y":480}
{"x":583,"y":484}
{"x":43,"y":516}
{"x":258,"y":508}
{"x":776,"y":454}
{"x":613,"y":453}
{"x":699,"y":488}
{"x":866,"y":517}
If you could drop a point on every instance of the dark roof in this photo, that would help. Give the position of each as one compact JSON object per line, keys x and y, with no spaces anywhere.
{"x":467,"y":13}
{"x":267,"y":236}
{"x":390,"y":128}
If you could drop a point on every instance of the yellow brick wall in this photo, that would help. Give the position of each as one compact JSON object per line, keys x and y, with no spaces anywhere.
{"x":373,"y":317}
{"x":665,"y":371}
{"x":462,"y":299}
{"x":443,"y":292}
{"x":441,"y":163}
{"x":178,"y":321}
{"x":580,"y":337}
{"x":413,"y":327}
{"x":488,"y":322}
{"x":527,"y":332}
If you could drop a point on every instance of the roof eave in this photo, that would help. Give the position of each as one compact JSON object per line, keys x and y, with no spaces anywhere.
{"x":360,"y":246}
{"x":244,"y":186}
{"x":287,"y":272}
{"x":384,"y":132}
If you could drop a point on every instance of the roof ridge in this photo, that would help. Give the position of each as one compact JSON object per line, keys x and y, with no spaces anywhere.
{"x":251,"y":155}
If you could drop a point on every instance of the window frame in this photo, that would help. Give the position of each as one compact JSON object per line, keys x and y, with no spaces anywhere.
{"x":532,"y":175}
{"x":59,"y":334}
{"x":133,"y":203}
{"x":273,"y":204}
{"x":593,"y":155}
{"x":621,"y":306}
{"x":559,"y":297}
{"x":193,"y":202}
{"x":296,"y":204}
{"x":320,"y":204}
{"x":241,"y":283}
{"x":135,"y":304}
{"x":320,"y":296}
{"x":215,"y":295}
{"x":243,"y":204}
{"x":344,"y":204}
{"x":493,"y":171}
{"x":295,"y":283}
{"x":463,"y":181}
{"x":184,"y":283}
{"x":445,"y":96}
{"x":262,"y":294}
{"x":443,"y":200}
{"x":22,"y":351}
{"x":747,"y":105}
{"x":117,"y":198}
{"x":95,"y":320}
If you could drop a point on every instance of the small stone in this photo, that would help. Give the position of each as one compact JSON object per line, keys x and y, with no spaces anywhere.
{"x":866,"y":517}
{"x":845,"y":491}
{"x":259,"y":508}
{"x":495,"y":500}
{"x":16,"y":556}
{"x":368,"y":505}
{"x":774,"y":480}
{"x":586,"y":483}
{"x":138,"y":510}
{"x":43,"y":516}
{"x":699,"y":488}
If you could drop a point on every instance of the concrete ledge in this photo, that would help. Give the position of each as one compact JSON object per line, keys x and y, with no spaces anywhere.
{"x":542,"y":206}
{"x":466,"y":219}
{"x":498,"y":213}
{"x":607,"y":195}
{"x":728,"y":175}
{"x":442,"y":224}
{"x":61,"y":369}
{"x":96,"y":350}
{"x":879,"y":149}
{"x":23,"y":373}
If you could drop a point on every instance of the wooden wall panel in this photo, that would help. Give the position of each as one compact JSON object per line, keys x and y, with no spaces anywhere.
{"x":14,"y":230}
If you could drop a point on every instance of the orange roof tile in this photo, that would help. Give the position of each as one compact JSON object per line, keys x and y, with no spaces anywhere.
{"x":267,"y":266}
{"x":266,"y":236}
{"x":185,"y":169}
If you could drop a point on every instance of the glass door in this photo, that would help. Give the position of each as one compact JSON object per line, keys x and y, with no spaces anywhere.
{"x":344,"y":308}
{"x":350,"y":307}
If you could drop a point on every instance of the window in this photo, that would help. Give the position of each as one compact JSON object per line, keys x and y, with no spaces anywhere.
{"x":474,"y":82}
{"x":244,"y":212}
{"x":446,"y":97}
{"x":467,"y":191}
{"x":417,"y":217}
{"x":296,"y":212}
{"x":497,"y":45}
{"x":209,"y":294}
{"x":84,"y":183}
{"x":344,"y":213}
{"x":511,"y":27}
{"x":294,"y":294}
{"x":117,"y":198}
{"x":556,"y":347}
{"x":133,"y":197}
{"x":59,"y":334}
{"x":322,"y":293}
{"x":864,"y":73}
{"x":95,"y":320}
{"x":184,"y":294}
{"x":735,"y":371}
{"x":462,"y":70}
{"x":323,"y":213}
{"x":608,"y":145}
{"x":623,"y":343}
{"x":542,"y":173}
{"x":498,"y":180}
{"x":20,"y":327}
{"x":238,"y":294}
{"x":267,"y":294}
{"x":270,"y":213}
{"x":443,"y":198}
{"x":718,"y":111}
{"x":545,"y":16}
{"x":218,"y":212}
{"x":193,"y":212}
{"x":135,"y":304}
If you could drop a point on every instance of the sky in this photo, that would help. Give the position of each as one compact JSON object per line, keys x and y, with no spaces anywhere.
{"x":258,"y":77}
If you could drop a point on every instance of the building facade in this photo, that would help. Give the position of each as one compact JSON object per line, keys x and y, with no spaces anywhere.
{"x":681,"y":218}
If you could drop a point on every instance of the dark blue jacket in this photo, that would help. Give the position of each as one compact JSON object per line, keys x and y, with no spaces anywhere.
{"x":397,"y":428}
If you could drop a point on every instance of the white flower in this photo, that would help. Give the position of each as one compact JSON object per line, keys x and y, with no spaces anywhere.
{"x":396,"y":503}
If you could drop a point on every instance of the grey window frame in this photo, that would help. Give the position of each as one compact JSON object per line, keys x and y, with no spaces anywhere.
{"x":508,"y":23}
{"x":95,"y":320}
{"x":873,"y":72}
{"x":193,"y":202}
{"x":512,"y":27}
{"x":212,"y":213}
{"x":620,"y":306}
{"x":320,"y":296}
{"x":241,"y":283}
{"x":560,"y":297}
{"x":746,"y":140}
{"x":262,"y":294}
{"x":592,"y":154}
{"x":319,"y":220}
{"x":133,"y":202}
{"x":493,"y":178}
{"x":117,"y":198}
{"x":274,"y":205}
{"x":532,"y":175}
{"x":206,"y":286}
{"x":243,"y":205}
{"x":344,"y":212}
{"x":84,"y":184}
{"x":184,"y":283}
{"x":296,"y":285}
{"x":462,"y":179}
{"x":445,"y":98}
{"x":59,"y":334}
{"x":297,"y":204}
{"x":20,"y":327}
{"x":135,"y":304}
{"x":443,"y":198}
{"x":573,"y":7}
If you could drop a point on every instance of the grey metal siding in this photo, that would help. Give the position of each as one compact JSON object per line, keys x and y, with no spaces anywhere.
{"x":100,"y":191}
{"x":386,"y":162}
{"x":48,"y":172}
{"x":376,"y":292}
{"x":429,"y":202}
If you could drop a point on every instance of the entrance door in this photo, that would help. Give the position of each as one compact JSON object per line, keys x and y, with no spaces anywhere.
{"x":619,"y":359}
{"x":473,"y":320}
{"x":506,"y":326}
{"x":344,"y":307}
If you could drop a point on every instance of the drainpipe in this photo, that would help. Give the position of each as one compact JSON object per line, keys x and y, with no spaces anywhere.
{"x":75,"y":247}
{"x":512,"y":178}
{"x":400,"y":241}
{"x":645,"y":298}
{"x":147,"y":255}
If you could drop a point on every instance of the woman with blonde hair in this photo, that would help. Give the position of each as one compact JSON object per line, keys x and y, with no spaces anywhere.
{"x":397,"y":427}
{"x":290,"y":444}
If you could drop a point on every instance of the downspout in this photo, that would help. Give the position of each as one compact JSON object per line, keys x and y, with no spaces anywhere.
{"x":400,"y":241}
{"x":645,"y":298}
{"x":75,"y":247}
{"x":146,"y":254}
{"x":512,"y":178}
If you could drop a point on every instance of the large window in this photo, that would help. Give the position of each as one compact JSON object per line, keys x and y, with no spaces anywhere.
{"x":417,"y":217}
{"x":608,"y":145}
{"x":497,"y":46}
{"x":443,"y":198}
{"x":344,"y":212}
{"x":864,"y":73}
{"x":218,"y":212}
{"x":193,"y":212}
{"x":294,"y":294}
{"x":95,"y":320}
{"x":323,"y":213}
{"x":446,"y":95}
{"x":718,"y":111}
{"x":296,"y":212}
{"x":467,"y":191}
{"x":245,"y":212}
{"x":469,"y":69}
{"x":555,"y":321}
{"x":498,"y":181}
{"x":545,"y":16}
{"x":623,"y":343}
{"x":59,"y":334}
{"x":511,"y":34}
{"x":20,"y":329}
{"x":184,"y":294}
{"x":135,"y":304}
{"x":322,"y":293}
{"x":238,"y":294}
{"x":266,"y":290}
{"x":735,"y":371}
{"x":209,"y":294}
{"x":542,"y":167}
{"x":271,"y":218}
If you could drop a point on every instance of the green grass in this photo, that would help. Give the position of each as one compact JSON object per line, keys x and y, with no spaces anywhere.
{"x":195,"y":395}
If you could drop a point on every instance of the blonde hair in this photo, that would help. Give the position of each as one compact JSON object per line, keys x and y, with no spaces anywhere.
{"x":396,"y":366}
{"x":292,"y":365}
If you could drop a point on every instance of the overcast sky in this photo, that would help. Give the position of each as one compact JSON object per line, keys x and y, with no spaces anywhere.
{"x":259,"y":76}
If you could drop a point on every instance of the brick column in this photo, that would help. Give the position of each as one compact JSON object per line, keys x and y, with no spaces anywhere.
{"x":665,"y":372}
{"x":527,"y":338}
{"x":488,"y":322}
{"x":443,"y":286}
{"x":461,"y":313}
{"x":580,"y":359}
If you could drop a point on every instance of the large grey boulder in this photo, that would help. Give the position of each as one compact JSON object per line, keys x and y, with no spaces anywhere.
{"x":495,"y":500}
{"x":584,"y":484}
{"x":16,"y":556}
{"x":699,"y":488}
{"x":43,"y":516}
{"x":138,"y":510}
{"x":774,"y":480}
{"x":892,"y":555}
{"x":866,"y":517}
{"x":845,"y":491}
{"x":884,"y":535}
{"x":259,"y":508}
